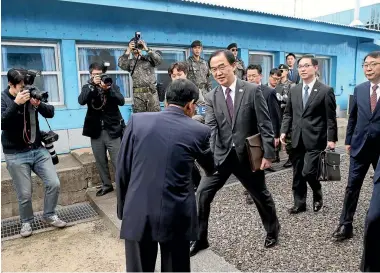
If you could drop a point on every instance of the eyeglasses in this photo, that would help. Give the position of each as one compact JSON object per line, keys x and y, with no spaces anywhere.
{"x":234,"y":49}
{"x":305,"y":65}
{"x":370,"y":65}
{"x":282,"y":70}
{"x":221,"y":68}
{"x":276,"y":79}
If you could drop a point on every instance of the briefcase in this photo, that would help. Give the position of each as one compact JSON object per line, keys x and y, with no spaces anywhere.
{"x":255,"y":151}
{"x":329,"y":166}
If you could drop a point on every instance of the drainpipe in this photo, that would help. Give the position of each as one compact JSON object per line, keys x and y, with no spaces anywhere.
{"x":356,"y":22}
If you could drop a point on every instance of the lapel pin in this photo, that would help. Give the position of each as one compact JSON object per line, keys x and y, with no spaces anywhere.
{"x":240,"y":90}
{"x":315,"y":90}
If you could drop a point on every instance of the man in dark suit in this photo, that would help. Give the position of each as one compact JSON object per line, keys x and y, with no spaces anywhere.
{"x":370,"y":260}
{"x":293,"y":70}
{"x":362,"y":140}
{"x":155,"y":196}
{"x":236,"y":110}
{"x":310,"y":116}
{"x":255,"y":76}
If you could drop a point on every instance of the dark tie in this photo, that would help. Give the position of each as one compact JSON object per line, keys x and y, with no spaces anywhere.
{"x":291,"y":74}
{"x":374,"y":98}
{"x":305,"y":95}
{"x":230,"y":104}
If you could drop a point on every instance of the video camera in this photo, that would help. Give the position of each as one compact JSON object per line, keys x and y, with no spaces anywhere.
{"x":137,"y":40}
{"x":35,"y":93}
{"x":106,"y":79}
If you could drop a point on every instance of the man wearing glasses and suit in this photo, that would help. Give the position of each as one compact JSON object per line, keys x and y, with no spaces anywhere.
{"x":236,"y":110}
{"x":310,"y":116}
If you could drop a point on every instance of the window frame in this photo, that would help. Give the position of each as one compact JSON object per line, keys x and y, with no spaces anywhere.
{"x":298,"y":55}
{"x":86,"y":72}
{"x":57,"y":55}
{"x":262,"y":53}
{"x":163,"y":48}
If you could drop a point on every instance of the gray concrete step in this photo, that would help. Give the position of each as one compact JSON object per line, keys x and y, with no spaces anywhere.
{"x":204,"y":261}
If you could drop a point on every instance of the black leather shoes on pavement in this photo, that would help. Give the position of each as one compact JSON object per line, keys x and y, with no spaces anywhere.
{"x":197,"y":246}
{"x":343,"y":232}
{"x":272,"y":239}
{"x":296,"y":210}
{"x":287,"y":164}
{"x":102,"y":192}
{"x":317,"y":205}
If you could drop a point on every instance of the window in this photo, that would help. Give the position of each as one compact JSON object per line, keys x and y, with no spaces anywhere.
{"x":87,"y":54}
{"x":324,"y":67}
{"x":37,"y":56}
{"x":264,"y":59}
{"x":169,"y":56}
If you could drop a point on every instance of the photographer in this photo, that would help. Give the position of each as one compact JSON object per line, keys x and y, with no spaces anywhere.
{"x":103,"y":123}
{"x":142,"y":68}
{"x":21,"y":139}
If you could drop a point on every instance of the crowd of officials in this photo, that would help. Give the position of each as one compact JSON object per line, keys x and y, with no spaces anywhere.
{"x":170,"y":164}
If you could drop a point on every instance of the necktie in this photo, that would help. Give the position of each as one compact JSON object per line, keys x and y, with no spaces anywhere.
{"x":305,"y":95}
{"x":291,"y":74}
{"x":374,"y":98}
{"x":230,"y":104}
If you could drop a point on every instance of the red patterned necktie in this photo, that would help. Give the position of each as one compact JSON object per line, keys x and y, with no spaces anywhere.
{"x":374,"y":98}
{"x":230,"y":104}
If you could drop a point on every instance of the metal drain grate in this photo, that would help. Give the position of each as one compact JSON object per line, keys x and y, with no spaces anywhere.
{"x":11,"y":227}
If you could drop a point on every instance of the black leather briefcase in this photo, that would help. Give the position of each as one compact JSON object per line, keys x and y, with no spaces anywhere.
{"x":329,"y":166}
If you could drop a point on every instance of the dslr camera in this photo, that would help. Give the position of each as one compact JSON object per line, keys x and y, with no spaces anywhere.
{"x":137,"y":40}
{"x":35,"y":93}
{"x":106,"y":79}
{"x":48,"y":138}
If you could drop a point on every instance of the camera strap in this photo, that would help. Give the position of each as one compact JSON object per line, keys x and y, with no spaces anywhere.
{"x":134,"y":67}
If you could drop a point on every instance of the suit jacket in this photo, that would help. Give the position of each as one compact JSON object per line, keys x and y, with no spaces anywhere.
{"x":295,"y":76}
{"x":316,"y":124}
{"x":362,"y":123}
{"x":251,"y":116}
{"x":155,"y":196}
{"x":376,"y":177}
{"x":273,"y":107}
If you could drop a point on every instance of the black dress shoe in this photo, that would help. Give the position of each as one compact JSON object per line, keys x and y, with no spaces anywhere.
{"x":197,"y":246}
{"x":296,"y":210}
{"x":272,"y":239}
{"x":287,"y":164}
{"x":343,"y":232}
{"x":102,"y":192}
{"x":317,"y":205}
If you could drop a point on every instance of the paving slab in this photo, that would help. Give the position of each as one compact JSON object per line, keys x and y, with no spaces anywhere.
{"x":204,"y":261}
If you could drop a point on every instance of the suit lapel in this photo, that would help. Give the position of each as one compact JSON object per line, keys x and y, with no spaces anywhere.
{"x":239,"y":92}
{"x":221,"y":100}
{"x":313,"y":93}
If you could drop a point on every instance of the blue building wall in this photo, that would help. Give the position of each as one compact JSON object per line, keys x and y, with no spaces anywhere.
{"x":70,"y":23}
{"x":347,"y":16}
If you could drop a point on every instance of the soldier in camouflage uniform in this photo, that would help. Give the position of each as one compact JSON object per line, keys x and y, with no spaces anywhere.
{"x":240,"y":68}
{"x":282,"y":90}
{"x":145,"y":97}
{"x":199,"y":72}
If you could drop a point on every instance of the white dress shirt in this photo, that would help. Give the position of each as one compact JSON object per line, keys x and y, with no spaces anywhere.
{"x":232,"y":93}
{"x":311,"y":85}
{"x":377,"y":90}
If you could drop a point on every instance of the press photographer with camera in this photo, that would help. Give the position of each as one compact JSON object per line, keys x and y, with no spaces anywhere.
{"x":142,"y":69}
{"x":21,"y":102}
{"x":103,"y":123}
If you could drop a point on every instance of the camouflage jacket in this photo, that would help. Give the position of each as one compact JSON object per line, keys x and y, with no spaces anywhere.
{"x":199,"y":73}
{"x":282,"y":90}
{"x":144,"y":74}
{"x":240,"y":69}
